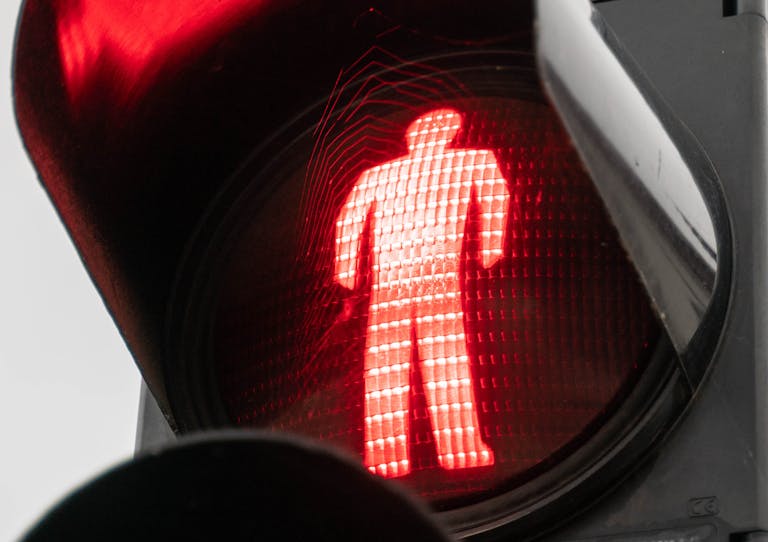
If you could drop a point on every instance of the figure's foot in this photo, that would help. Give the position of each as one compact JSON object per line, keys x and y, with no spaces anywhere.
{"x":469,"y":454}
{"x":392,"y":469}
{"x":387,"y":457}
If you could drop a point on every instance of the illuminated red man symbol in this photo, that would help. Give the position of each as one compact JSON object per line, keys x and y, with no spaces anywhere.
{"x":417,"y":206}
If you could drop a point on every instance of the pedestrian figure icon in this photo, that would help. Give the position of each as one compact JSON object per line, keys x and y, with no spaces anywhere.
{"x":416,"y":209}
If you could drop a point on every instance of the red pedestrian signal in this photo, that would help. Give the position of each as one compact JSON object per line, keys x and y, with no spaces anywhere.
{"x":367,"y":224}
{"x":415,"y":211}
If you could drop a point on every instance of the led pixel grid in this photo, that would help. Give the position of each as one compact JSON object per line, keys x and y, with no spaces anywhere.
{"x":416,"y":209}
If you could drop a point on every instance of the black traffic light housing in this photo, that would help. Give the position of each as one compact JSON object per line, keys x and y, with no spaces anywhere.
{"x":133,"y":164}
{"x":706,"y":60}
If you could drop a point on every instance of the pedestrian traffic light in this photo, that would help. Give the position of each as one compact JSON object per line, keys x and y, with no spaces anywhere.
{"x":508,"y":258}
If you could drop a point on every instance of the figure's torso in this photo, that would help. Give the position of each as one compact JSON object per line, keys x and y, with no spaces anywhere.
{"x":419,"y":216}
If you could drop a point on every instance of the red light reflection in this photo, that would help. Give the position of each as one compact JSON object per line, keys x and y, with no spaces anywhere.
{"x":136,"y":36}
{"x":416,"y":209}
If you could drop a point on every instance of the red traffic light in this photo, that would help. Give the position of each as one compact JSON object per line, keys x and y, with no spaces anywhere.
{"x":367,"y":225}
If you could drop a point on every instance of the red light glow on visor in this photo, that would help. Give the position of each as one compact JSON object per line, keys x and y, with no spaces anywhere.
{"x":416,"y":210}
{"x":138,"y":38}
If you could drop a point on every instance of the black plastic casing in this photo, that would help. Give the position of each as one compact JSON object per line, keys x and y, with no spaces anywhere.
{"x":706,"y":58}
{"x":709,"y":480}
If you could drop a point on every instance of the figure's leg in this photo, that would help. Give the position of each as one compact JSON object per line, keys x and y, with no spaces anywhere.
{"x":445,"y":370}
{"x":387,"y":390}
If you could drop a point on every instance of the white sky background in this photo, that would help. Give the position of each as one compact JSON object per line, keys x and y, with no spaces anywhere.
{"x":69,"y":390}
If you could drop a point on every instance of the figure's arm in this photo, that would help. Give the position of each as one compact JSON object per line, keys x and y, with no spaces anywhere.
{"x":349,"y":228}
{"x":493,"y":197}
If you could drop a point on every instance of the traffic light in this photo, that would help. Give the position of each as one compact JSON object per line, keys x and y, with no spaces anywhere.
{"x":507,"y":255}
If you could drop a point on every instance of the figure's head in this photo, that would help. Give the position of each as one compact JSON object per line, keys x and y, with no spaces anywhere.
{"x":436,"y":128}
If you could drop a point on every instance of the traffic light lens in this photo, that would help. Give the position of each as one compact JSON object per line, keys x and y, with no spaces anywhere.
{"x":449,"y":302}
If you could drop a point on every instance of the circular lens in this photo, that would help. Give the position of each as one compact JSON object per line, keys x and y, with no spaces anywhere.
{"x":426,"y":278}
{"x":488,"y":323}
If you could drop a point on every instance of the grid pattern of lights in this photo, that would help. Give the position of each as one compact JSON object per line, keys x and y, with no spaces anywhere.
{"x":416,"y":208}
